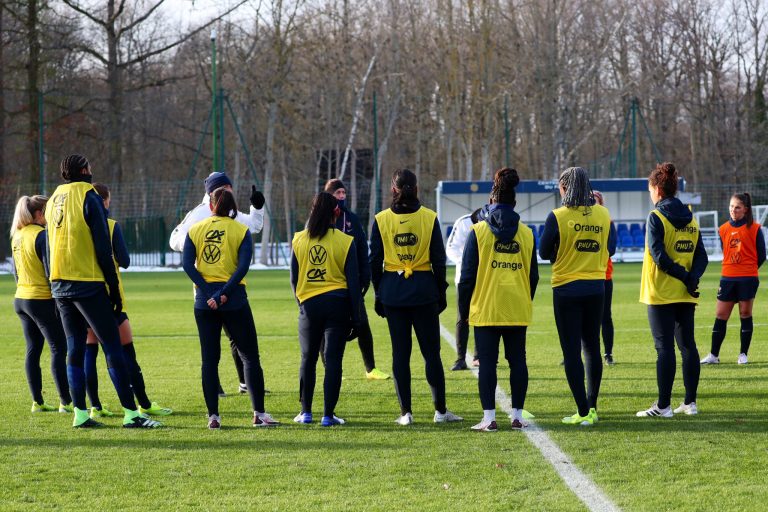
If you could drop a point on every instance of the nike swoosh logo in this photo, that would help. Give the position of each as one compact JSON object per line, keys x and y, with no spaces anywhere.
{"x":403,"y":221}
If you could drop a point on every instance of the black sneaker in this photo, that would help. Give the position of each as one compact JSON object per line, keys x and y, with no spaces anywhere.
{"x":460,"y":364}
{"x":243,"y":389}
{"x":608,"y":358}
{"x":142,"y":421}
{"x":89,"y":423}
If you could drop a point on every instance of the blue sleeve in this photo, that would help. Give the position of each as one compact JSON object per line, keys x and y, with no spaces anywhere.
{"x":700,"y":259}
{"x":188,"y":257}
{"x":612,"y":240}
{"x":351,"y":273}
{"x":655,"y":240}
{"x":550,"y":239}
{"x":469,"y":262}
{"x":533,"y":277}
{"x":438,"y":258}
{"x":376,"y":257}
{"x":760,"y":244}
{"x":294,"y":273}
{"x":96,"y":218}
{"x":119,"y":247}
{"x":244,"y":255}
{"x":361,"y":244}
{"x":41,"y":248}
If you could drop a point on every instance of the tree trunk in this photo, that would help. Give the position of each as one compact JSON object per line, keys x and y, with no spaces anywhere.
{"x":33,"y":90}
{"x":115,"y":102}
{"x":268,"y":172}
{"x":2,"y":100}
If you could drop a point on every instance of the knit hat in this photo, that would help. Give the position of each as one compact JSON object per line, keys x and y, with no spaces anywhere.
{"x":216,"y":180}
{"x":333,"y":185}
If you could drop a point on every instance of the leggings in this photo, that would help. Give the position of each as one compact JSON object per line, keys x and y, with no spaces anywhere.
{"x":672,"y":323}
{"x":364,"y":341}
{"x":425,"y":321}
{"x":95,"y":311}
{"x":323,"y":320}
{"x":462,"y":338}
{"x":487,"y":343}
{"x":607,"y":317}
{"x":39,"y":322}
{"x":578,"y":325}
{"x":236,"y":357}
{"x":240,"y":325}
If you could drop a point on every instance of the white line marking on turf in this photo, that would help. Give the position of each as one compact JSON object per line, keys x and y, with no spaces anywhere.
{"x":579,"y":483}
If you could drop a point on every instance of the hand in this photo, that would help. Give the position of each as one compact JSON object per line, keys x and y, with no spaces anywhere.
{"x":691,"y":285}
{"x":223,"y":300}
{"x":212,"y":303}
{"x":257,"y":198}
{"x":352,"y":332}
{"x":116,"y":300}
{"x":442,"y":303}
{"x":379,"y":308}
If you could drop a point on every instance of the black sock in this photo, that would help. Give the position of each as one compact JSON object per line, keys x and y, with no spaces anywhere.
{"x":137,"y":379}
{"x":91,"y":377}
{"x":746,"y":334}
{"x":718,"y":335}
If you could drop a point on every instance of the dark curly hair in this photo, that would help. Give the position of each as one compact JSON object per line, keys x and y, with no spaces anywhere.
{"x":504,"y":182}
{"x":664,"y":176}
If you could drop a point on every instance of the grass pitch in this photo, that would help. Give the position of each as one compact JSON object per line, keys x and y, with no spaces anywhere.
{"x":712,"y":461}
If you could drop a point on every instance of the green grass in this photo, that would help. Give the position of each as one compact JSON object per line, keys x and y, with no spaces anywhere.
{"x":712,"y":461}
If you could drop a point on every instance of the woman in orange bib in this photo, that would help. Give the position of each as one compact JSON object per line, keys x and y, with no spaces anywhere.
{"x":743,"y":253}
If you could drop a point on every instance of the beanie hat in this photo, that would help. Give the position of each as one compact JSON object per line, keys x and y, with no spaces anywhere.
{"x":333,"y":185}
{"x":216,"y":180}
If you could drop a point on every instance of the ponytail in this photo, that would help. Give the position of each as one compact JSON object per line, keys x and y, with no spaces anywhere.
{"x":24,"y":215}
{"x":404,"y":188}
{"x":223,"y":203}
{"x":322,"y":216}
{"x":746,"y":200}
{"x":664,"y":176}
{"x":503,"y":190}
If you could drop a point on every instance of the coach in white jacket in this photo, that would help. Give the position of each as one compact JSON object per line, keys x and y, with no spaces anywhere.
{"x":454,"y":248}
{"x":254,"y":220}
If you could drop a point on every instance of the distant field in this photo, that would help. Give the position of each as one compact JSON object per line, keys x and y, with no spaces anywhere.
{"x":710,"y":462}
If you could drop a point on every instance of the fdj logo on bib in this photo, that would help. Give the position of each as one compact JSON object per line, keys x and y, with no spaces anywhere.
{"x":684,"y":246}
{"x":211,"y":250}
{"x":587,"y":245}
{"x":406,"y":239}
{"x":507,"y":247}
{"x":58,"y":212}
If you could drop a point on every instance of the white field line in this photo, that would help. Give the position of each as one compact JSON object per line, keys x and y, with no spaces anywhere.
{"x":579,"y":483}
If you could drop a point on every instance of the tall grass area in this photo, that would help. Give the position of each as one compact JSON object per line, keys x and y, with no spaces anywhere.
{"x":712,"y":461}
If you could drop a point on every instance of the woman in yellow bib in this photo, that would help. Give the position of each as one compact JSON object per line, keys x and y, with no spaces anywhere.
{"x":408,"y":274}
{"x":499,"y":275}
{"x":34,"y":305}
{"x":674,"y":261}
{"x":217,"y":254}
{"x":578,"y":238}
{"x":324,"y":279}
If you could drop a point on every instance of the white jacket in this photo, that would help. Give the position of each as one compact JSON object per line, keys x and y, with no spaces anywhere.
{"x":254,"y":220}
{"x":454,"y":247}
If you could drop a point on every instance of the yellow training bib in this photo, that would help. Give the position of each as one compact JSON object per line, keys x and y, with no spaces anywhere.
{"x":406,"y":238}
{"x":32,"y":282}
{"x":321,"y":262}
{"x":502,"y":294}
{"x":658,"y":287}
{"x":583,"y":250}
{"x":217,"y":241}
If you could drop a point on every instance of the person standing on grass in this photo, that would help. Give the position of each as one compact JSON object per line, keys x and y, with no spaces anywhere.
{"x":607,"y":323}
{"x":578,"y":239}
{"x":673,"y":263}
{"x":254,"y":220}
{"x":122,"y":259}
{"x":347,"y":222}
{"x":34,"y":305}
{"x":85,"y":287}
{"x":408,"y":274}
{"x":217,"y":254}
{"x":324,"y":279}
{"x":743,"y":247}
{"x":454,"y":248}
{"x":499,"y":276}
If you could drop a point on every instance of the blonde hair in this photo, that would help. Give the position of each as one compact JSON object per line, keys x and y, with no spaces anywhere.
{"x":24,"y":215}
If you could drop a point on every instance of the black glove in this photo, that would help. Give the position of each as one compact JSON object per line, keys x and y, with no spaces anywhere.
{"x":257,"y":198}
{"x":353,"y":332}
{"x":365,"y":289}
{"x":442,"y":303}
{"x":116,"y":300}
{"x":379,"y":308}
{"x":691,"y":284}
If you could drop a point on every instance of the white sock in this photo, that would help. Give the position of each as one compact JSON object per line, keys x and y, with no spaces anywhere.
{"x":489,"y":415}
{"x":517,"y":414}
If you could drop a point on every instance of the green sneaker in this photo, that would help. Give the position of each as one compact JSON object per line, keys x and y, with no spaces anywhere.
{"x":67,"y":408}
{"x":579,"y":420}
{"x":593,"y":414}
{"x":134,"y":419}
{"x":101,"y":413}
{"x":156,"y":410}
{"x":376,"y":374}
{"x":83,"y":420}
{"x":527,"y":415}
{"x":43,"y":407}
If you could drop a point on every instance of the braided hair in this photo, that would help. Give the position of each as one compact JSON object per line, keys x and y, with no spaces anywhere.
{"x":504,"y":182}
{"x":746,"y":200}
{"x":72,"y":165}
{"x":578,"y":190}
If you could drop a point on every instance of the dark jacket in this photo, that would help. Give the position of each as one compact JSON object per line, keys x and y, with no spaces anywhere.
{"x":678,"y":215}
{"x":349,"y":224}
{"x":504,"y":222}
{"x":422,"y":287}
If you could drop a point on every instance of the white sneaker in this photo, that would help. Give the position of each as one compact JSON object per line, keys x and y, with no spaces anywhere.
{"x":742,"y":358}
{"x":654,"y":411}
{"x":264,"y":419}
{"x":486,"y":426}
{"x":214,"y":422}
{"x":689,"y":409}
{"x":405,"y":419}
{"x":711,"y":359}
{"x":448,"y":416}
